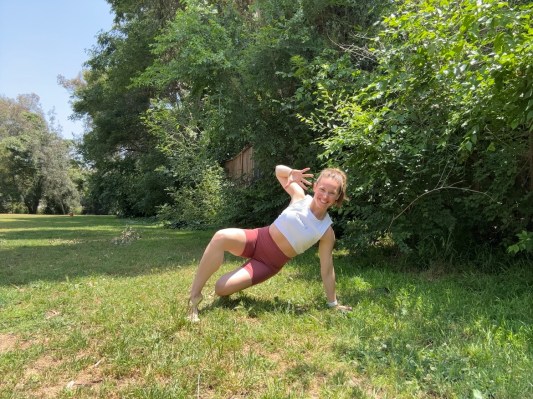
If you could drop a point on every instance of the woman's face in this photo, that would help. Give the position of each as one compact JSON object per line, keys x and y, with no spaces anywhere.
{"x":327,"y":191}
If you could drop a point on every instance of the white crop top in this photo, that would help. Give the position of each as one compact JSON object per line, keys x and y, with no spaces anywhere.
{"x":300,"y":226}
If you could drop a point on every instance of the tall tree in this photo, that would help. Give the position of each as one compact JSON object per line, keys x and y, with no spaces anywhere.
{"x":117,"y":143}
{"x":33,"y":159}
{"x":226,"y":68}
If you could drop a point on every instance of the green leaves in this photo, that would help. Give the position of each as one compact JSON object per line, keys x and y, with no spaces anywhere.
{"x":34,"y":161}
{"x":429,"y":111}
{"x":524,"y":244}
{"x":444,"y":112}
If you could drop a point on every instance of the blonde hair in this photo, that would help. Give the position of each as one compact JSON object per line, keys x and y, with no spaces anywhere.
{"x":340,"y":177}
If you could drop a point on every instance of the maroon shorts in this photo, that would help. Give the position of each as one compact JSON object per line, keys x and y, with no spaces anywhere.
{"x":265,"y":257}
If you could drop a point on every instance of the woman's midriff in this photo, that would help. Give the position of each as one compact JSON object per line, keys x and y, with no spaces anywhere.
{"x":281,"y":242}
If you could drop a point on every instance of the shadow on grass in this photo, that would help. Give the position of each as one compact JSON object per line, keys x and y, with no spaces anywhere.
{"x":448,"y":327}
{"x":39,"y":221}
{"x":254,"y":306}
{"x":53,"y":248}
{"x":460,"y":294}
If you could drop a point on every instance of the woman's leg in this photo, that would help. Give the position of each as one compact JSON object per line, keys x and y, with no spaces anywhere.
{"x":264,"y":261}
{"x":227,"y":240}
{"x":234,"y":281}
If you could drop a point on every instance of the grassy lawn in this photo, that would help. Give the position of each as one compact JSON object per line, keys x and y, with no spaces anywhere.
{"x":95,"y":307}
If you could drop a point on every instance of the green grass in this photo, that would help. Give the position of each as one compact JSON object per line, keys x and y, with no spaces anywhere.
{"x":90,"y":310}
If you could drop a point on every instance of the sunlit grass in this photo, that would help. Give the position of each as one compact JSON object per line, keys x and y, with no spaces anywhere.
{"x":88,"y":310}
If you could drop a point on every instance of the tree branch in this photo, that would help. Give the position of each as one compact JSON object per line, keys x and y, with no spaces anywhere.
{"x":451,"y":187}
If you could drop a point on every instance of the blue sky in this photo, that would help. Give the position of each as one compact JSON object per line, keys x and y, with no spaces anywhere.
{"x":41,"y":39}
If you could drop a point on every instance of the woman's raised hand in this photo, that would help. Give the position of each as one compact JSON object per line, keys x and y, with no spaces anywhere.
{"x":299,"y":177}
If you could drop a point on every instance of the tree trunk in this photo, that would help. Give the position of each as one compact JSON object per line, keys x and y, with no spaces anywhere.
{"x":33,"y":199}
{"x":32,"y":204}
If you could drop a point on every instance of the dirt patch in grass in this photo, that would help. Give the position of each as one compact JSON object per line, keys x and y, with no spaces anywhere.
{"x":41,"y":378}
{"x":10,"y":343}
{"x":90,"y":376}
{"x":36,"y":373}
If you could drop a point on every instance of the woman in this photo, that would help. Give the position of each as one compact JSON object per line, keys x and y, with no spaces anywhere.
{"x":303,"y":223}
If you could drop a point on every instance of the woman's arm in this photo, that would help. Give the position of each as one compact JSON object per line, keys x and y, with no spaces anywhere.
{"x":325,"y":252}
{"x":293,"y":181}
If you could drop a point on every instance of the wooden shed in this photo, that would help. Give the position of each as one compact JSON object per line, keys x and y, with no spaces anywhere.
{"x":241,"y":166}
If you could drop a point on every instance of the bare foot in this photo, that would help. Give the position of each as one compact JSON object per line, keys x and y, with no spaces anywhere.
{"x":193,"y":308}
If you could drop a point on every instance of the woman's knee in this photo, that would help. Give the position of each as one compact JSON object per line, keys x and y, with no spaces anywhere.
{"x":218,"y":236}
{"x":231,"y":240}
{"x":218,"y":241}
{"x":233,"y":282}
{"x":221,"y":237}
{"x":224,"y":288}
{"x":221,"y":288}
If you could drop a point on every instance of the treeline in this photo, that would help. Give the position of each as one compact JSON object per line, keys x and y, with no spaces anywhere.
{"x":427,"y":104}
{"x":178,"y":88}
{"x":37,"y":170}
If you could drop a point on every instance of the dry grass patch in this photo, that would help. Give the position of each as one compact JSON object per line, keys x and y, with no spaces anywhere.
{"x":39,"y":378}
{"x":11,"y":342}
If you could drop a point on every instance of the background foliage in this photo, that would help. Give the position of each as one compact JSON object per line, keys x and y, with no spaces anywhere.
{"x":427,"y":104}
{"x":35,"y":167}
{"x":438,"y":137}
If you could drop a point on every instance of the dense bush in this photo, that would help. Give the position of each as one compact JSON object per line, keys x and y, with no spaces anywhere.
{"x":196,"y":205}
{"x":426,"y":104}
{"x":438,"y":139}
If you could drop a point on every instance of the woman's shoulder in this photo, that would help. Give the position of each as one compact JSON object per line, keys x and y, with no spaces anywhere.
{"x":300,"y":200}
{"x":328,"y":236}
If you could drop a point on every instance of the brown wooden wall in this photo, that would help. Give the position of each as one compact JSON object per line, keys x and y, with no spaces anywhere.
{"x":241,"y":166}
